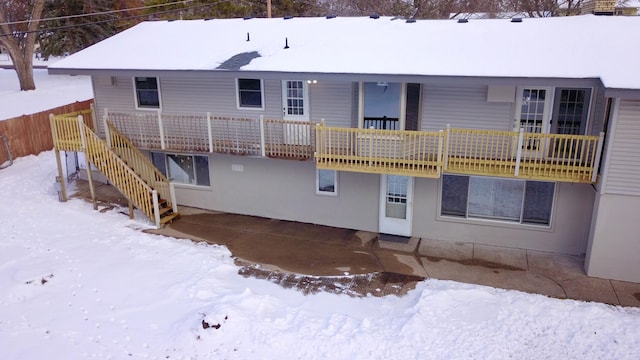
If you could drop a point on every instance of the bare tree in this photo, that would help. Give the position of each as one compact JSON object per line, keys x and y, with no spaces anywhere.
{"x":19,"y":21}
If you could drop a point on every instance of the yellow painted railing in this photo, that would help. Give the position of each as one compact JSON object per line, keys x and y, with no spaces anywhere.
{"x":410,"y":153}
{"x":567,"y":158}
{"x":72,"y":134}
{"x":140,"y":164}
{"x":555,"y":157}
{"x":66,"y":132}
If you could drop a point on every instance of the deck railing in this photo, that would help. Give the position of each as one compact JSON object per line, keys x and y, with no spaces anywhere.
{"x":217,"y":134}
{"x":530,"y":155}
{"x":555,"y":157}
{"x":410,"y":153}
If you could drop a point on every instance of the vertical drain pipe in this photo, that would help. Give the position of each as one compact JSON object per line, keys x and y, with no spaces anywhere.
{"x":6,"y":147}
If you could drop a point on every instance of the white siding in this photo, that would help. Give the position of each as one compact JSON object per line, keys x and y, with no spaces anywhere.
{"x":464,"y":107}
{"x":192,"y":96}
{"x":624,"y":161}
{"x":331,"y":101}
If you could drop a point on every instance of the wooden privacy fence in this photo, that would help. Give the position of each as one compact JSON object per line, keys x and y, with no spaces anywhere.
{"x":31,"y":134}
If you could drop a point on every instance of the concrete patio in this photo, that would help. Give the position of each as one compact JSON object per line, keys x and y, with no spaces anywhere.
{"x":316,"y":258}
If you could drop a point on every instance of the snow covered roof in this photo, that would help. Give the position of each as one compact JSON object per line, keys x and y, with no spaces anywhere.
{"x":585,"y":46}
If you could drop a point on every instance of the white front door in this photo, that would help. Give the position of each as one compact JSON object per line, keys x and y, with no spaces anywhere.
{"x":396,"y":204}
{"x":295,"y":107}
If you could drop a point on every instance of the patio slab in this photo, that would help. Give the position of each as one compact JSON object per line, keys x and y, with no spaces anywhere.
{"x":445,"y":249}
{"x":500,"y":256}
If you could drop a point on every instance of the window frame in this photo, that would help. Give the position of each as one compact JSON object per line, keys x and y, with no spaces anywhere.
{"x":335,"y":183}
{"x":497,"y":221}
{"x":137,"y":98}
{"x":239,"y":106}
{"x":165,"y":169}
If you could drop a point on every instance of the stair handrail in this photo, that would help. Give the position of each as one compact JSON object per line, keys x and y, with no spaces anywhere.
{"x":134,"y":188}
{"x":124,"y":148}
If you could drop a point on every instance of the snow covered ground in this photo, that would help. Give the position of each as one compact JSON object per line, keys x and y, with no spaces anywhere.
{"x":77,"y":283}
{"x":51,"y":91}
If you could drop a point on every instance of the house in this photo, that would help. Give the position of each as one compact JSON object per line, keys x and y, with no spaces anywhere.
{"x":611,"y":7}
{"x":520,"y":133}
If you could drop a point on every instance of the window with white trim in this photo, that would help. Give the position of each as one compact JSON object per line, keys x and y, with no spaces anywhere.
{"x":326,"y":182}
{"x":147,"y":92}
{"x":250,"y":94}
{"x":511,"y":200}
{"x":183,"y":169}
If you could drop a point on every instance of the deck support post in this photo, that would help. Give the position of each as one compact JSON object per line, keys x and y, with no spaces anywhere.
{"x":263,"y":150}
{"x":441,"y":151}
{"x":130,"y":210}
{"x":445,"y":156}
{"x":89,"y":157}
{"x":596,"y":161}
{"x":371,"y":145}
{"x":156,"y":208}
{"x":209,"y":132}
{"x":107,"y":133}
{"x":172,"y":194}
{"x":94,"y":117}
{"x":319,"y":142}
{"x":54,"y":133}
{"x":163,"y":146}
{"x":519,"y":152}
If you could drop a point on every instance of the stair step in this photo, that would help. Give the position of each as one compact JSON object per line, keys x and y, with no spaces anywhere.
{"x":169,"y":218}
{"x":165,"y":210}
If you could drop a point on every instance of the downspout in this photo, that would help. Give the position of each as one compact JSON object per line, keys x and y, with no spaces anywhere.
{"x":6,"y":147}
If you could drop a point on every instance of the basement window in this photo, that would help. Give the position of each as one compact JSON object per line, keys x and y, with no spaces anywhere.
{"x":183,"y":169}
{"x":326,"y":182}
{"x":509,"y":200}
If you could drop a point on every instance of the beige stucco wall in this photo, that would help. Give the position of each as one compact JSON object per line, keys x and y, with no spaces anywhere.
{"x":568,"y":233}
{"x":614,"y":246}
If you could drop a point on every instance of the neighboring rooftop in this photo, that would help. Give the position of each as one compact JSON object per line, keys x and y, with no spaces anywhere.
{"x":584,"y":46}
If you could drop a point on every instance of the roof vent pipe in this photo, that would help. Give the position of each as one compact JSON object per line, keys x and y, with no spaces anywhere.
{"x":516,"y":20}
{"x":286,"y":43}
{"x":247,"y":17}
{"x":288,"y":17}
{"x":374,"y":16}
{"x":463,"y":21}
{"x":411,"y":20}
{"x":331,"y":16}
{"x":248,"y":39}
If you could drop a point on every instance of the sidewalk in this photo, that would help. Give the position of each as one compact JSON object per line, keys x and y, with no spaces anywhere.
{"x":316,"y":258}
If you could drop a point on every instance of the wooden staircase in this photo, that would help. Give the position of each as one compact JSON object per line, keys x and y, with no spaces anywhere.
{"x":132,"y":173}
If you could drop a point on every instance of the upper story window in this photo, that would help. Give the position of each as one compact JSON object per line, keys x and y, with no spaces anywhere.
{"x":250,"y":94}
{"x":147,"y":92}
